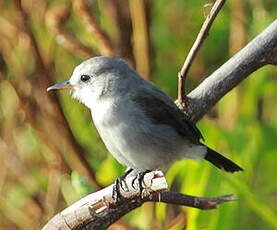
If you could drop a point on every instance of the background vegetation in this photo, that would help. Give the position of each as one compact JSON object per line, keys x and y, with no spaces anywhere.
{"x":50,"y":153}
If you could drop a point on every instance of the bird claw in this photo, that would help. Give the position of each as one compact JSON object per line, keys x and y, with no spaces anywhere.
{"x":140,"y":178}
{"x":116,"y":191}
{"x":120,"y":183}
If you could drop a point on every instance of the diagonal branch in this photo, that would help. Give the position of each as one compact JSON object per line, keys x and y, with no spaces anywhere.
{"x":203,"y":33}
{"x":261,"y":51}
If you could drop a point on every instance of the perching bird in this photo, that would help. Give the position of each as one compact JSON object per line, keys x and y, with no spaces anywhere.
{"x":138,"y":123}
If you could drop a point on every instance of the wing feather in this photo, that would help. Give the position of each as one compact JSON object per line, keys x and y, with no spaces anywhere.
{"x":162,"y":110}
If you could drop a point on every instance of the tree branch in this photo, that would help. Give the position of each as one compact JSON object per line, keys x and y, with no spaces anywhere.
{"x":261,"y":51}
{"x":99,"y":210}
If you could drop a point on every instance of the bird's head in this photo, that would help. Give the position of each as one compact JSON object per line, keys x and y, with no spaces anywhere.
{"x":96,"y":77}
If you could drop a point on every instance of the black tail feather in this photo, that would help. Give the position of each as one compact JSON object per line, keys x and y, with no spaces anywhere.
{"x":221,"y":162}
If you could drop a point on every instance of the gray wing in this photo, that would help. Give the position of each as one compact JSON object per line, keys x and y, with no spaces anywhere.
{"x":162,"y":110}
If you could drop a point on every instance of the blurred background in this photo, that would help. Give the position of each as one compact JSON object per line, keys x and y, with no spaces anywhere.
{"x":50,"y":152}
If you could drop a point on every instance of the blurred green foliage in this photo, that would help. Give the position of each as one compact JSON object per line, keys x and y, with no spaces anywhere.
{"x":35,"y":183}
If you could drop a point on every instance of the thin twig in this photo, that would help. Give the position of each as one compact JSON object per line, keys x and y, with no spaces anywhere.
{"x":203,"y":33}
{"x":204,"y":203}
{"x":92,"y":26}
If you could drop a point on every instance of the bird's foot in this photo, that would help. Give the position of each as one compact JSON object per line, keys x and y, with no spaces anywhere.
{"x":140,"y":178}
{"x":120,"y":183}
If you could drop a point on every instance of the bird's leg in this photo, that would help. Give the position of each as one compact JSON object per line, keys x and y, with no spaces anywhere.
{"x":119,"y":184}
{"x":140,"y":177}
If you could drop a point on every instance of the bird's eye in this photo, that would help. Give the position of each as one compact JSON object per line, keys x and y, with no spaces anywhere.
{"x":85,"y":78}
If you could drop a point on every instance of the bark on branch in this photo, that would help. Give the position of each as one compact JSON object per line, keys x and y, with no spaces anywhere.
{"x":261,"y":51}
{"x":99,"y":210}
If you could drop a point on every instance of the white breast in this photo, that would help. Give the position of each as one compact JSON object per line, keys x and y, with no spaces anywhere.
{"x":109,"y":121}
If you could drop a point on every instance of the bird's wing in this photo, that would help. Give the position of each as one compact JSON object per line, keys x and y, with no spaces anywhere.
{"x":161,"y":109}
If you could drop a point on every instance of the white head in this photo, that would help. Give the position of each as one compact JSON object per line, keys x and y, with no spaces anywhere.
{"x":96,"y":78}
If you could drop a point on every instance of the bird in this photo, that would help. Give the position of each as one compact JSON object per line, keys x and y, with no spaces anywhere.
{"x":139,"y":124}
